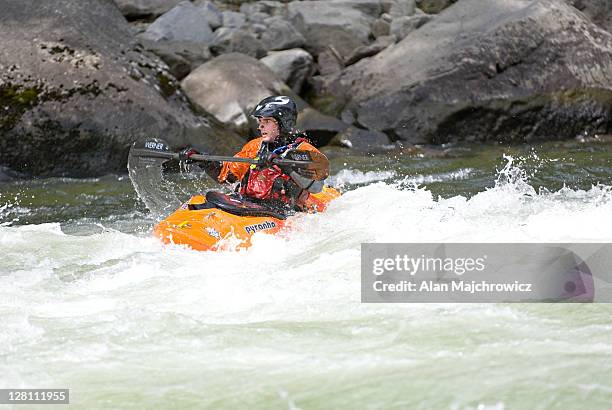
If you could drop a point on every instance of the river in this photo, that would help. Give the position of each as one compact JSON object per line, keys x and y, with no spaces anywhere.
{"x":92,"y":302}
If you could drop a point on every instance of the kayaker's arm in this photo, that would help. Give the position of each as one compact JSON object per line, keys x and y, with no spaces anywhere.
{"x":212,"y":168}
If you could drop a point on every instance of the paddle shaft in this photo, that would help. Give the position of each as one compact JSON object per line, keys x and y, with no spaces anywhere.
{"x":143,"y":152}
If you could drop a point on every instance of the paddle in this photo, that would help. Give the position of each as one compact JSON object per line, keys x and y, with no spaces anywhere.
{"x":310,"y":163}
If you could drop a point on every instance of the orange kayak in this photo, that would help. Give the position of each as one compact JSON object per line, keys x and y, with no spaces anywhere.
{"x":216,"y":219}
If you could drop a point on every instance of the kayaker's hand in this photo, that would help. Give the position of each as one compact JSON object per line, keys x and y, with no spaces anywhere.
{"x":267,"y":161}
{"x":185,"y":154}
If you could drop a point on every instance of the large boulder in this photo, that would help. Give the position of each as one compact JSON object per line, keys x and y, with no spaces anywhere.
{"x":503,"y":70}
{"x":185,"y":22}
{"x":229,"y":87}
{"x":279,"y":34}
{"x":344,"y":25}
{"x":292,"y":66}
{"x":135,"y":9}
{"x":75,"y":92}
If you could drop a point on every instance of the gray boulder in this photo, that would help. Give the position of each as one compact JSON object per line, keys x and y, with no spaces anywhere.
{"x":292,"y":66}
{"x":185,"y":22}
{"x":82,"y":123}
{"x":237,"y":40}
{"x":370,"y":50}
{"x":340,"y":24}
{"x":229,"y":87}
{"x":281,"y":35}
{"x":320,"y":128}
{"x":502,"y":70}
{"x":182,"y":57}
{"x":212,"y":13}
{"x":233,"y":19}
{"x":135,"y":9}
{"x":402,"y":26}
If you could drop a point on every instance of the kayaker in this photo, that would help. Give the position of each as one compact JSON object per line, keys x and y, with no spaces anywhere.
{"x":276,"y":186}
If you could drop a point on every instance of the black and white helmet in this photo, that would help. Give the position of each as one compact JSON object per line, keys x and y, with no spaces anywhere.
{"x":280,"y":107}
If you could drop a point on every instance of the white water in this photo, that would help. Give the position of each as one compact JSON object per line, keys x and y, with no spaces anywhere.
{"x":125,"y":322}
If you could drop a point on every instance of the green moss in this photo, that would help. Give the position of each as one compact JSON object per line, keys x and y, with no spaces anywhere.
{"x":166,"y":85}
{"x":14,"y":101}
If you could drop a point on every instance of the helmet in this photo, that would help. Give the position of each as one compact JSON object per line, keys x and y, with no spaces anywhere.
{"x":281,"y":108}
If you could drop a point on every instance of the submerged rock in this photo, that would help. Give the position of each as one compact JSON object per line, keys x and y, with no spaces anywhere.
{"x":74,"y":92}
{"x":502,"y":70}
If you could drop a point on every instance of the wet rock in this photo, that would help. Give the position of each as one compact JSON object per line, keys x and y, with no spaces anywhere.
{"x":501,"y":70}
{"x":237,"y":40}
{"x":135,"y":9}
{"x":341,"y":24}
{"x":185,"y":22}
{"x":83,"y":123}
{"x":370,"y":50}
{"x":292,"y":66}
{"x":402,"y":26}
{"x":320,"y":128}
{"x":366,"y":141}
{"x":279,"y":34}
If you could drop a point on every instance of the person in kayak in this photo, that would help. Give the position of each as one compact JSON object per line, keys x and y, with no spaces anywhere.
{"x":277,"y":186}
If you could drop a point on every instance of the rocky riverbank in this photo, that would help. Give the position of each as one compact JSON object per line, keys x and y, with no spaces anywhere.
{"x":80,"y":80}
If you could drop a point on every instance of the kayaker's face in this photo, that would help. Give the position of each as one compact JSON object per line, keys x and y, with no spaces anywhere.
{"x":268,"y":128}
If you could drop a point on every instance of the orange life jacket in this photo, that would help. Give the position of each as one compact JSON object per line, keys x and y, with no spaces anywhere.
{"x":260,"y":183}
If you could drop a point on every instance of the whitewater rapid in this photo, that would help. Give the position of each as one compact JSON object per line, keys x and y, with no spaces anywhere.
{"x":126,"y":322}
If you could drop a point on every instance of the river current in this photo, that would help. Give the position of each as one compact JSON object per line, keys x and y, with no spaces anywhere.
{"x":90,"y":301}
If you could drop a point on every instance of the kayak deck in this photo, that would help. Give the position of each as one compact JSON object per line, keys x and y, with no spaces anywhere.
{"x":203,"y":225}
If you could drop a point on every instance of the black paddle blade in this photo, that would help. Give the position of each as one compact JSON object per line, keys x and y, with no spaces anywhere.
{"x":314,"y":164}
{"x":145,"y":163}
